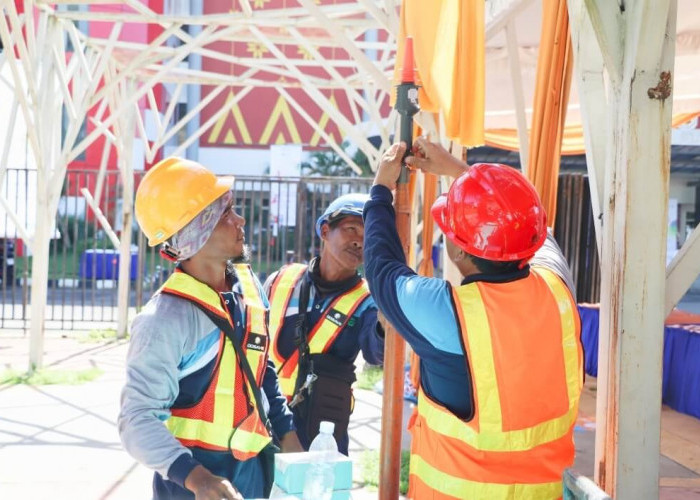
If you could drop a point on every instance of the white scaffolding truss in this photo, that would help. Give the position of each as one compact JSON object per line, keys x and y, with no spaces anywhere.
{"x":112,"y":76}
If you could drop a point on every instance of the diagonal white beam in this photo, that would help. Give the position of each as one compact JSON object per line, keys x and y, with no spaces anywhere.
{"x":327,"y":137}
{"x":133,"y":64}
{"x":349,"y":45}
{"x":499,"y":13}
{"x":322,"y":101}
{"x":113,"y":238}
{"x":381,"y":17}
{"x":683,"y":270}
{"x":189,"y":116}
{"x":212,"y":119}
{"x":59,"y":64}
{"x":589,"y":68}
{"x":156,"y":78}
{"x":353,"y":95}
{"x":517,"y":82}
{"x":76,"y":39}
{"x":23,"y":233}
{"x":606,"y":17}
{"x":19,"y":87}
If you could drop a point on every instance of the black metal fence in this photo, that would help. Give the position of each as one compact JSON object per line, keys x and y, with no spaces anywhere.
{"x":280,"y":227}
{"x":84,"y":265}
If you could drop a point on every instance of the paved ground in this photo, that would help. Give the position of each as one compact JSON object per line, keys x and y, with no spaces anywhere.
{"x":60,"y":442}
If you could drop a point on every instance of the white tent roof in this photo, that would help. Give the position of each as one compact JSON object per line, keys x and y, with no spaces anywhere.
{"x":500,"y":104}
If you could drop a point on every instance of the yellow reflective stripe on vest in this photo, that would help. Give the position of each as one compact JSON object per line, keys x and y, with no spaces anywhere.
{"x":249,"y":442}
{"x":482,"y":364}
{"x":282,"y":292}
{"x":322,"y":335}
{"x":490,"y":436}
{"x":183,"y":284}
{"x":287,"y":384}
{"x":465,"y":489}
{"x":255,"y":312}
{"x":570,"y":344}
{"x":251,"y":297}
{"x":219,"y":429}
{"x":320,"y":342}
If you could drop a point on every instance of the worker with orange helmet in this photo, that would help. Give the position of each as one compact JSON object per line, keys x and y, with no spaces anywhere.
{"x":201,"y":403}
{"x":501,"y":357}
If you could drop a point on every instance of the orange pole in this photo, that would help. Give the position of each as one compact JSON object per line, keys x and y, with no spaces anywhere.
{"x":394,"y":353}
{"x":394,"y":346}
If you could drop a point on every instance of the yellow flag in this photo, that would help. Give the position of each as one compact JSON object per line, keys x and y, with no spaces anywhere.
{"x":448,"y":43}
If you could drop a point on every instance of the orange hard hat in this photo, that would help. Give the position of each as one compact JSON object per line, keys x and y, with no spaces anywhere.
{"x":493,"y":212}
{"x":172,"y":193}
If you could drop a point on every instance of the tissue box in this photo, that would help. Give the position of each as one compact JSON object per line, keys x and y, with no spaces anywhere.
{"x":290,"y":472}
{"x":278,"y":494}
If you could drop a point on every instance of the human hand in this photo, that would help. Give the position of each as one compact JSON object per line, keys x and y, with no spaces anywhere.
{"x":432,"y":158}
{"x":207,"y":486}
{"x":290,"y":443}
{"x":390,"y":166}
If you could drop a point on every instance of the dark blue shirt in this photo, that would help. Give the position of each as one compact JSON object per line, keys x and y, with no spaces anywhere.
{"x":422,"y":309}
{"x":362,"y":333}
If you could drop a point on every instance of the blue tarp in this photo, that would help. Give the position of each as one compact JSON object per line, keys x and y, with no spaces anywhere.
{"x":681,"y":374}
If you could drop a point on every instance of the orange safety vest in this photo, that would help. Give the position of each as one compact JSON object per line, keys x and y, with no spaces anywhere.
{"x":322,"y":335}
{"x":523,"y":347}
{"x":212,"y":423}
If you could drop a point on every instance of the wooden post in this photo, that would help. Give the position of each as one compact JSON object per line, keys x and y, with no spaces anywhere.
{"x":637,"y":45}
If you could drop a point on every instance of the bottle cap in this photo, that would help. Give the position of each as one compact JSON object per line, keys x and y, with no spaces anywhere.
{"x":327,"y":427}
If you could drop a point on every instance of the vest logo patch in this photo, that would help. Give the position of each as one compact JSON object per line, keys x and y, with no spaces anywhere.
{"x":336,"y":317}
{"x":256,"y":342}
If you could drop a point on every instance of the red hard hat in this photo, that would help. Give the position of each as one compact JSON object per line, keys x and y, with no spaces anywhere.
{"x":492,"y":212}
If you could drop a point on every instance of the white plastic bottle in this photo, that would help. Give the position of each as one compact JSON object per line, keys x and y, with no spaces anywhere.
{"x":318,"y":483}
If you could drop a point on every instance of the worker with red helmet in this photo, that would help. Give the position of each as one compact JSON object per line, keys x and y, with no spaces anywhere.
{"x":501,"y":357}
{"x":201,"y":403}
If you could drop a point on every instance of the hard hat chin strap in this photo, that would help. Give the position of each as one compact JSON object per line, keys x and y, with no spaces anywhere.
{"x":169,"y":252}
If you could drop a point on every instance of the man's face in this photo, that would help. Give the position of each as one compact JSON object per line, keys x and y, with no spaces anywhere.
{"x":343,"y":243}
{"x":227,"y":241}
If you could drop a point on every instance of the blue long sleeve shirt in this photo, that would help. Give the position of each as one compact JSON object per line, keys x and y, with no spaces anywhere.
{"x":422,"y":309}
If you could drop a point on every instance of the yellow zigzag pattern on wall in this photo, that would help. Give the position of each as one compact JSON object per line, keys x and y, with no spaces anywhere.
{"x":322,"y":126}
{"x":230,"y":138}
{"x":281,"y":110}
